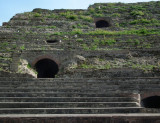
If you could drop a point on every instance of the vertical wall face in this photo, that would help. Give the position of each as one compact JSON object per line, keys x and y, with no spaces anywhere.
{"x":46,"y":68}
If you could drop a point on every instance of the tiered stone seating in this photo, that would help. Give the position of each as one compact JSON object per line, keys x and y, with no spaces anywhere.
{"x":74,"y":96}
{"x":103,"y":75}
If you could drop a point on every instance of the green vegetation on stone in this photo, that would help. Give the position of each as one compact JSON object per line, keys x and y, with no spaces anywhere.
{"x":86,"y":18}
{"x":145,"y":21}
{"x":110,"y":64}
{"x":72,"y":17}
{"x":29,"y":66}
{"x":76,"y":31}
{"x":37,"y":15}
{"x":22,"y":47}
{"x":69,"y":15}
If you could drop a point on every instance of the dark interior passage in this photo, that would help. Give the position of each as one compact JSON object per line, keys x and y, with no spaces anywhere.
{"x":102,"y":23}
{"x":151,"y":102}
{"x":52,"y":41}
{"x":46,"y":68}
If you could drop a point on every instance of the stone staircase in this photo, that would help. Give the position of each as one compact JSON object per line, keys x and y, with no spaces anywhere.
{"x":75,"y":96}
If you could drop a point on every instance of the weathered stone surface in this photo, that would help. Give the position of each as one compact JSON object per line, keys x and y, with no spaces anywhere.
{"x":98,"y":75}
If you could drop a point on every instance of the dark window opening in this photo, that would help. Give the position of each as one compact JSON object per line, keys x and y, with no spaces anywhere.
{"x":46,"y":68}
{"x":151,"y":102}
{"x":52,"y":41}
{"x":102,"y":23}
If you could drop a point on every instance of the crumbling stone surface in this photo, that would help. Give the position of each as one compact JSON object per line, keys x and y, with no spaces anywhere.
{"x":104,"y":70}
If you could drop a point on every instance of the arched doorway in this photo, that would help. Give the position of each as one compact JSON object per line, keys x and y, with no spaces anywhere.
{"x":102,"y":24}
{"x":46,"y":68}
{"x":151,"y":102}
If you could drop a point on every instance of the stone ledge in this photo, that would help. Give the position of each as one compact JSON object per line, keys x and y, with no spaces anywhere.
{"x":83,"y":115}
{"x":116,"y":118}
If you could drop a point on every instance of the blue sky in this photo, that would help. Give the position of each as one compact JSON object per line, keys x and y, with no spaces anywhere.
{"x":9,"y":8}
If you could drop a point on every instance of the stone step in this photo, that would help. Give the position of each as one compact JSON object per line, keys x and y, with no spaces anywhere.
{"x":79,"y":86}
{"x":81,"y":118}
{"x":59,"y":83}
{"x":14,"y":88}
{"x":78,"y":79}
{"x":67,"y":99}
{"x":75,"y":110}
{"x":66,"y":104}
{"x":64,"y":94}
{"x":54,"y":90}
{"x":85,"y":90}
{"x":77,"y":46}
{"x":146,"y":80}
{"x":72,"y":79}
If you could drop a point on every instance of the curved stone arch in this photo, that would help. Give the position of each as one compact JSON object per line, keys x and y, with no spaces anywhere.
{"x":150,"y":100}
{"x":44,"y":57}
{"x":102,"y":24}
{"x":46,"y":66}
{"x":146,"y":95}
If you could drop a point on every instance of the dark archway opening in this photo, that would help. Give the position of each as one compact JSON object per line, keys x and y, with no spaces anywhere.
{"x":151,"y":102}
{"x":52,"y":41}
{"x":102,"y":24}
{"x":46,"y":68}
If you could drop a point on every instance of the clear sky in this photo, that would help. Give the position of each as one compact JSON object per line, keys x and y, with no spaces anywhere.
{"x":9,"y":8}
